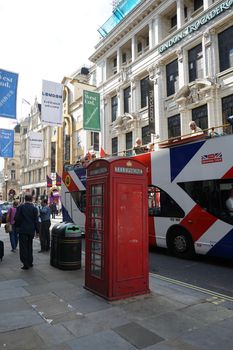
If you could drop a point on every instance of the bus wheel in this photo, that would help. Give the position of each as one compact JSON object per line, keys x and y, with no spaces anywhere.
{"x":181,"y":244}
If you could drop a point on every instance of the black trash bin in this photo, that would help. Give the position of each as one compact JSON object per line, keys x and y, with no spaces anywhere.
{"x":66,"y":246}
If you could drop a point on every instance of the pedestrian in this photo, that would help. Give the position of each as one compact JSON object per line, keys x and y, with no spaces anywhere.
{"x":53,"y":209}
{"x":229,"y":203}
{"x":195,"y":130}
{"x":45,"y":213}
{"x":0,"y":217}
{"x":26,"y":220}
{"x":10,"y":218}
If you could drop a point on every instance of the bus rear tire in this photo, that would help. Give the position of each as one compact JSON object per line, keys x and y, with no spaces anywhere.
{"x":180,"y":244}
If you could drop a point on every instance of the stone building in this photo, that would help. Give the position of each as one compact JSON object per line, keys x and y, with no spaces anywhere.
{"x":161,"y":64}
{"x":73,"y":142}
{"x":33,"y":173}
{"x":11,"y":172}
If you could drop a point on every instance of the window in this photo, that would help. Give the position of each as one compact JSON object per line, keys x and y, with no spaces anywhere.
{"x":13,"y":175}
{"x":172,"y":77}
{"x":211,"y":195}
{"x":79,"y":198}
{"x":146,"y":136}
{"x":173,"y":21}
{"x":129,"y":143}
{"x":139,"y":47}
{"x":114,"y":62}
{"x":95,"y":140}
{"x":53,"y":157}
{"x":114,"y":146}
{"x":124,"y":57}
{"x":200,"y":116}
{"x":195,"y":63}
{"x":225,"y":44}
{"x":227,"y":110}
{"x":174,"y":126}
{"x":144,"y":86}
{"x":114,"y":107}
{"x":197,"y":4}
{"x":127,"y":96}
{"x":161,"y":204}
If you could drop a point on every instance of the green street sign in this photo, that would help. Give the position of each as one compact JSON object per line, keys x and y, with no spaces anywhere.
{"x":91,"y":110}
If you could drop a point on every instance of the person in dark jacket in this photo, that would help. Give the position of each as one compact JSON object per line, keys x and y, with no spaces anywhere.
{"x":45,"y":213}
{"x":26,"y":220}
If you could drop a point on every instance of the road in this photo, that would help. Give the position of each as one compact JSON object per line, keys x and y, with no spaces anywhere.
{"x":209,"y":273}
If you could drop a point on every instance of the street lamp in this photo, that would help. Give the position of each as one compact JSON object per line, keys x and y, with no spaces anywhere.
{"x":6,"y":181}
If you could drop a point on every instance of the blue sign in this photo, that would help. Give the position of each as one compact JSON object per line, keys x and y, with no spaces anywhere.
{"x":8,"y":94}
{"x":6,"y":143}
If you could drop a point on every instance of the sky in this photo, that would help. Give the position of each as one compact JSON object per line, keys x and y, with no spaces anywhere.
{"x":47,"y":39}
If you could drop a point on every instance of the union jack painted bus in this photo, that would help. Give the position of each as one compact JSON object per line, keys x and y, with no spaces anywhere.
{"x":188,"y":185}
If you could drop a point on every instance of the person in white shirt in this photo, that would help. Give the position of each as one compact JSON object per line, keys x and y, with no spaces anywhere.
{"x":229,"y":203}
{"x":195,"y":130}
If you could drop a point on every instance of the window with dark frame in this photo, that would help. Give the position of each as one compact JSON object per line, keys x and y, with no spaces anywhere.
{"x":146,"y":136}
{"x":197,"y":4}
{"x":172,"y":77}
{"x":144,"y":87}
{"x":200,"y":116}
{"x":227,"y":110}
{"x":95,"y":140}
{"x":139,"y":46}
{"x":173,"y":21}
{"x":174,"y":129}
{"x":225,"y":45}
{"x":114,"y":146}
{"x":114,"y":107}
{"x":129,"y":143}
{"x":127,"y":96}
{"x":195,"y":63}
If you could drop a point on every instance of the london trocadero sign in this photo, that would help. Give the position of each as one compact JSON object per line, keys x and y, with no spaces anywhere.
{"x":195,"y":25}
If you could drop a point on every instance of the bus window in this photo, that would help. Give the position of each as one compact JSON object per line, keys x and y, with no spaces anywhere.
{"x":161,"y":204}
{"x":211,"y":195}
{"x":80,"y":200}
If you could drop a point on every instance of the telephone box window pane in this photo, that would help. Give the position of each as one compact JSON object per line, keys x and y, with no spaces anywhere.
{"x":96,"y":270}
{"x":96,"y":189}
{"x":98,"y":200}
{"x":96,"y":247}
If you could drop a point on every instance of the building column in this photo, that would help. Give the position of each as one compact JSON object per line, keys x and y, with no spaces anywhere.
{"x":151,"y":34}
{"x":180,"y":13}
{"x":209,"y":55}
{"x":118,"y":60}
{"x":133,"y":47}
{"x":181,"y":68}
{"x":207,"y":4}
{"x":159,"y":93}
{"x":158,"y":32}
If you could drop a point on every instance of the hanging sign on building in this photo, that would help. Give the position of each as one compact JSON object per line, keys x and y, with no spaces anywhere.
{"x":151,"y":107}
{"x":91,"y":110}
{"x":51,"y":103}
{"x":35,"y":145}
{"x":8,"y":94}
{"x":6,"y":143}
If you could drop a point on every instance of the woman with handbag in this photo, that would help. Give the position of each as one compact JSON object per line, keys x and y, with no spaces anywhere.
{"x":13,"y":229}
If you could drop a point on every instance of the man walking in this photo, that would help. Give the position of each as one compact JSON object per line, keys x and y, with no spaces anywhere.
{"x":26,"y":220}
{"x":45,"y":213}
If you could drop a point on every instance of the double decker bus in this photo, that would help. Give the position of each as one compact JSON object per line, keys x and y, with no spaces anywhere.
{"x":188,"y":185}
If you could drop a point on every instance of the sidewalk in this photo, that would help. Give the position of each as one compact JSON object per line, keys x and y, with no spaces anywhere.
{"x":48,"y":308}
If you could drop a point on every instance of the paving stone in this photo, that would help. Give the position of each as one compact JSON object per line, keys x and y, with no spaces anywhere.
{"x":137,"y":335}
{"x":12,"y":284}
{"x":171,"y":324}
{"x":21,"y":339}
{"x":89,"y":303}
{"x":109,"y":318}
{"x":48,"y":287}
{"x":83,"y":326}
{"x":48,"y":305}
{"x":53,"y":334}
{"x":173,"y":344}
{"x":15,"y":305}
{"x":103,"y":340}
{"x":208,"y":312}
{"x":155,"y":305}
{"x":13,"y":293}
{"x":17,"y":320}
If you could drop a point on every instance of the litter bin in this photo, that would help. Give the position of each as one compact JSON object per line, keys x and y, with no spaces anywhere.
{"x":66,"y":246}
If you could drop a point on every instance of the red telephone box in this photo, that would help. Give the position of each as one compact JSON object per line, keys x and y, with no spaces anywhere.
{"x":117,"y":228}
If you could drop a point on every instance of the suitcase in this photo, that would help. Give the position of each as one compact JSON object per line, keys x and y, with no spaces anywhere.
{"x":1,"y":250}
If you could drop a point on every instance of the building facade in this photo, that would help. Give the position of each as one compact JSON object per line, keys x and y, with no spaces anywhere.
{"x":162,"y":65}
{"x":73,"y":141}
{"x":33,"y":173}
{"x":11,"y":172}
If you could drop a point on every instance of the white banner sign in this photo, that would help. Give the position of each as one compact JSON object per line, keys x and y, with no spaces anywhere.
{"x":35,"y":145}
{"x":51,"y":103}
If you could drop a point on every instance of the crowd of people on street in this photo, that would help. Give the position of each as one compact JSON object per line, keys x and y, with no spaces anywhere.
{"x":26,"y":221}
